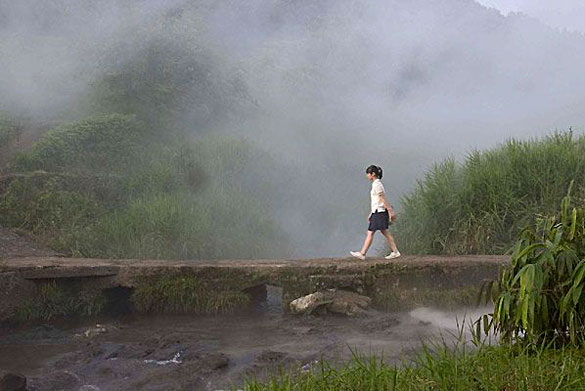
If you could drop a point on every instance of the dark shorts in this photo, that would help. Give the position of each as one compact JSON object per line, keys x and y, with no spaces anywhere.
{"x":378,"y":221}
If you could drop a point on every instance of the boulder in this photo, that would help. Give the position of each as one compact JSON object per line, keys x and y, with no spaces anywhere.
{"x":12,"y":381}
{"x":337,"y":301}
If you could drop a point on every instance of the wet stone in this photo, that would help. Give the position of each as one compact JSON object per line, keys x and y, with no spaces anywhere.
{"x":59,"y":380}
{"x":270,"y":356}
{"x":217,"y":361}
{"x":337,"y":301}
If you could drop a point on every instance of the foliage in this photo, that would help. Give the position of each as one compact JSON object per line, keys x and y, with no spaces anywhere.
{"x":481,"y":205}
{"x":491,"y":368}
{"x":39,"y":205}
{"x":538,"y":296}
{"x":9,"y":130}
{"x":98,"y":144}
{"x":184,"y":295}
{"x":54,"y":301}
{"x":183,"y":227}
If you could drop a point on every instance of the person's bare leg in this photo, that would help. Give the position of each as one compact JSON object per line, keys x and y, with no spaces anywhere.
{"x":390,"y":240}
{"x":367,"y":242}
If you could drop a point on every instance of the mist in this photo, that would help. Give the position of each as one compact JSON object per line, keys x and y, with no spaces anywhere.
{"x":327,"y":88}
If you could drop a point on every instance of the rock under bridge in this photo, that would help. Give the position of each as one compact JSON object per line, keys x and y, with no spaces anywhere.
{"x":392,"y":284}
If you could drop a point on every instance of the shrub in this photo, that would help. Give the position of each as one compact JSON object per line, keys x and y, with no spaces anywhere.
{"x":39,"y":205}
{"x":9,"y":130}
{"x":98,"y":144}
{"x":538,"y":297}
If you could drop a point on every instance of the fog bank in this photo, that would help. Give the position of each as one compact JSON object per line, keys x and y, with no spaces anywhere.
{"x":327,"y":87}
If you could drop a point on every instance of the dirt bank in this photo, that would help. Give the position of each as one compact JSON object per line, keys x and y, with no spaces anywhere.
{"x":18,"y":245}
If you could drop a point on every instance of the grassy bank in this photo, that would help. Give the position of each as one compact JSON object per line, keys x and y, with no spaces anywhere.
{"x":460,"y":368}
{"x":480,"y":205}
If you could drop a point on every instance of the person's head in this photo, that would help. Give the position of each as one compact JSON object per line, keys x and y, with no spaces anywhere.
{"x":374,"y":172}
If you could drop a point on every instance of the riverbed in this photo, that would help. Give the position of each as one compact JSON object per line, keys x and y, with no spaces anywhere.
{"x":216,"y":352}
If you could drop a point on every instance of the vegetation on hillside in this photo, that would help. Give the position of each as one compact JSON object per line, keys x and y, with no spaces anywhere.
{"x":141,"y":175}
{"x":99,"y":188}
{"x":482,"y":204}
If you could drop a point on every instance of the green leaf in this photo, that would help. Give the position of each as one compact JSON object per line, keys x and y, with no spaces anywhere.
{"x":579,"y":273}
{"x":573,"y":224}
{"x":577,"y":294}
{"x":529,"y":249}
{"x":525,"y":304}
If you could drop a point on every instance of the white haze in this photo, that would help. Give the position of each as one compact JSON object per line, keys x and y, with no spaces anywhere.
{"x":560,"y":14}
{"x":338,"y":85}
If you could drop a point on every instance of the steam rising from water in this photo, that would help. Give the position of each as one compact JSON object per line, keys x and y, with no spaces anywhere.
{"x":335,"y":85}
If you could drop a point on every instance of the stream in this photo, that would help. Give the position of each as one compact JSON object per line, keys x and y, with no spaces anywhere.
{"x":218,"y":352}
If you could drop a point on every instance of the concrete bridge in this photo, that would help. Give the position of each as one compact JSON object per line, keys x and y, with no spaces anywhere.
{"x":392,"y":284}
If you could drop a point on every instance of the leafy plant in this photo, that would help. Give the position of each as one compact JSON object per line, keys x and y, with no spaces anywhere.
{"x":538,"y":297}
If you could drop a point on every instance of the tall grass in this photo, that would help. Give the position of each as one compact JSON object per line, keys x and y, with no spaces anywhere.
{"x":441,"y":368}
{"x":481,"y":204}
{"x":185,"y":295}
{"x":55,"y":301}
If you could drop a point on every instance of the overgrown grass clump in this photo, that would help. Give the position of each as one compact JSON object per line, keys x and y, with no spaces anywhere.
{"x":184,"y":295}
{"x":55,"y":301}
{"x":481,"y":205}
{"x":489,"y":368}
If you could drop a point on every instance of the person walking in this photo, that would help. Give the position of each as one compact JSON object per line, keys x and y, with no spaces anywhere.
{"x":380,"y":216}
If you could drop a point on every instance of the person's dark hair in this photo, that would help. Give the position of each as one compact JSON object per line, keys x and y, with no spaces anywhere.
{"x":377,"y":171}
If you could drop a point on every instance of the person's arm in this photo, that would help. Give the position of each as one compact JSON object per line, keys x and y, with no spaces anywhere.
{"x":387,"y":205}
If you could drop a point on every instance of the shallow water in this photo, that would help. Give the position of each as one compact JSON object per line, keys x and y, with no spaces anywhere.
{"x":210,"y":352}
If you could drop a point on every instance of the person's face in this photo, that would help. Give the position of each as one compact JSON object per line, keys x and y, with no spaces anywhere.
{"x":370,"y":176}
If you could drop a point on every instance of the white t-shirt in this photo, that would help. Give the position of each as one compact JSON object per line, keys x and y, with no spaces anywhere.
{"x":377,"y":191}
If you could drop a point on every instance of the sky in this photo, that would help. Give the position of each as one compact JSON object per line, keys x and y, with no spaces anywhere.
{"x":562,"y":14}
